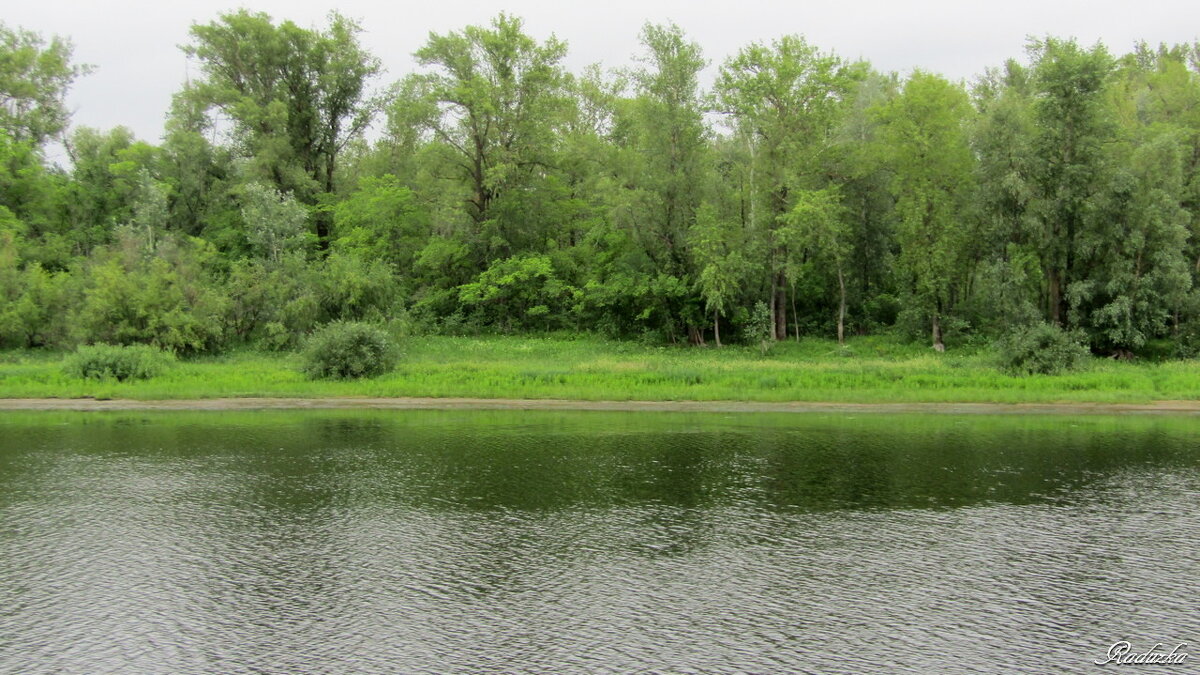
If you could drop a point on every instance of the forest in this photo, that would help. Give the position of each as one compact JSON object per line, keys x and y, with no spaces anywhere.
{"x":802,"y":194}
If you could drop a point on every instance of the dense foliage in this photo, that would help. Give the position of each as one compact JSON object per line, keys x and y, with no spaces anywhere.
{"x":1042,"y":348}
{"x":806,"y":194}
{"x":348,"y":350}
{"x":121,"y":363}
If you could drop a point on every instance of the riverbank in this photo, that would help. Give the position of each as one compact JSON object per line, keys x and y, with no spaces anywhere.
{"x":871,"y":370}
{"x":229,"y":404}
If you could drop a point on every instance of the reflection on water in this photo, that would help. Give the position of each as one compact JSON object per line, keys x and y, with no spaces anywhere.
{"x":425,"y":541}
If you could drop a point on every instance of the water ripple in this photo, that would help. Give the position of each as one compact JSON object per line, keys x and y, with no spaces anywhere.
{"x":367,"y":555}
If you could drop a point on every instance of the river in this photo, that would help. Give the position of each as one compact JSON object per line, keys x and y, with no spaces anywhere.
{"x":427,"y":541}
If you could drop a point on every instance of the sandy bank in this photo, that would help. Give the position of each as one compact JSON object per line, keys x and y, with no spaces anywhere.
{"x":87,"y":404}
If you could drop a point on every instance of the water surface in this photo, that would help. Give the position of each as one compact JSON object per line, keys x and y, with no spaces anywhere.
{"x":459,"y":541}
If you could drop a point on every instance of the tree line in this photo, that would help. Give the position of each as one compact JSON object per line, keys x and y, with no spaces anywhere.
{"x":804,"y":190}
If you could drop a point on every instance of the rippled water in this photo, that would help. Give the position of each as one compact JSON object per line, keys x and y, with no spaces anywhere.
{"x":465,"y":542}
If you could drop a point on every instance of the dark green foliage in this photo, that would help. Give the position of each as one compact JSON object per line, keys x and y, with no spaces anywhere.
{"x":296,"y":96}
{"x":272,"y":305}
{"x":1041,"y":348}
{"x":348,"y":350}
{"x":119,"y":362}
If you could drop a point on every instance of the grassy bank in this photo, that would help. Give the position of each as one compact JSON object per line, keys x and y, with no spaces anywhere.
{"x":871,"y":370}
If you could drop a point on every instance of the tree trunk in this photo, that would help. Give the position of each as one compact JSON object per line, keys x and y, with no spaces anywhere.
{"x":324,"y":222}
{"x":795,"y":314}
{"x":937,"y":334}
{"x":1054,"y":301}
{"x":841,"y":306}
{"x":780,"y":308}
{"x":771,"y":302}
{"x":717,"y":327}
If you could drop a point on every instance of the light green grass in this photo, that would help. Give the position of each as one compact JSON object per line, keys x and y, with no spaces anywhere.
{"x":872,"y":370}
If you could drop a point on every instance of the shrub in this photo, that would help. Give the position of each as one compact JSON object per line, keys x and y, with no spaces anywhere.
{"x":129,"y":362}
{"x":1041,"y":348}
{"x":348,"y":349}
{"x":167,"y":298}
{"x":760,"y":328}
{"x":272,"y":304}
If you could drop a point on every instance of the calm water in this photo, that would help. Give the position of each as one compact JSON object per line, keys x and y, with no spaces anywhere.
{"x":466,"y":542}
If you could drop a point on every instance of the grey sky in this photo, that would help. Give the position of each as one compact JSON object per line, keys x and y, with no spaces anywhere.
{"x":134,"y":44}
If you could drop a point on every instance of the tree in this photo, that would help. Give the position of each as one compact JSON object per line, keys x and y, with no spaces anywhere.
{"x":717,"y":245}
{"x":493,"y":101}
{"x":296,"y":97}
{"x":817,"y":222}
{"x":925,"y":131}
{"x":1157,"y":97}
{"x":382,"y":221}
{"x":1008,"y":279}
{"x":670,"y":139}
{"x":106,"y":181}
{"x":34,"y":78}
{"x":1072,"y":125}
{"x":860,"y":175}
{"x":276,"y":224}
{"x":785,"y":99}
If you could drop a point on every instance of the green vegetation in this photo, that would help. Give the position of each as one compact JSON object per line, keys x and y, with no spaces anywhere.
{"x":1042,"y":348}
{"x":869,"y":369}
{"x":120,"y":363}
{"x":805,"y":196}
{"x":348,"y":350}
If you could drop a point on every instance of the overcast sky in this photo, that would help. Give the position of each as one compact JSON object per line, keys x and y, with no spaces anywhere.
{"x":134,"y":45}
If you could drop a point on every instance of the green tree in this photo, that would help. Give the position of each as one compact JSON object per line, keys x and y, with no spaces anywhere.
{"x":492,"y":103}
{"x":932,"y":164}
{"x":520,"y":292}
{"x":34,"y":78}
{"x":1073,"y":124}
{"x":106,"y":182}
{"x":1008,"y":279}
{"x":382,"y":220}
{"x":1132,"y":273}
{"x":296,"y":97}
{"x":717,"y":245}
{"x":276,"y":224}
{"x":670,"y":139}
{"x":817,"y":222}
{"x":785,"y":100}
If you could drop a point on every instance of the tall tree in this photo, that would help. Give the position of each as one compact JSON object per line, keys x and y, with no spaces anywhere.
{"x":817,"y":222}
{"x":1072,"y":126}
{"x":670,"y":138}
{"x":494,"y":100}
{"x":932,"y":164}
{"x":296,"y":96}
{"x":718,"y":246}
{"x":34,"y":78}
{"x":785,"y":99}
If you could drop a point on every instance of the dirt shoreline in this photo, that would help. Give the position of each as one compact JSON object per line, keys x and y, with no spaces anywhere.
{"x":87,"y":404}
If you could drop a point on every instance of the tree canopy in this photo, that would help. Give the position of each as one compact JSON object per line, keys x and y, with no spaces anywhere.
{"x":802,"y":194}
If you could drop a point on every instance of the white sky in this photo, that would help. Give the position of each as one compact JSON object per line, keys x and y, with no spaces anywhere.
{"x":134,"y":44}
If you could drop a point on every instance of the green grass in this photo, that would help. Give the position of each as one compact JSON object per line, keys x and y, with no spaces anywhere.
{"x":872,"y":369}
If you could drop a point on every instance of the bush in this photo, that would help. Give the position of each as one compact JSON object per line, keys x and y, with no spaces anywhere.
{"x":167,"y":298}
{"x":760,"y":328}
{"x":348,"y":349}
{"x":1041,"y":348}
{"x":130,"y":362}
